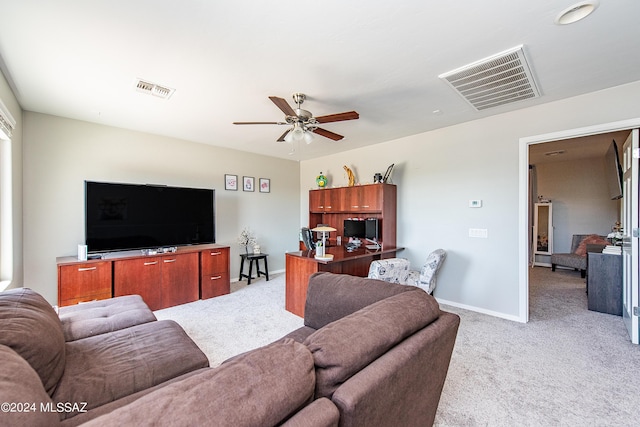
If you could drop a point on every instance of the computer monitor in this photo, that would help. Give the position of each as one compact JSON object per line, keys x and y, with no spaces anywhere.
{"x":354,"y":228}
{"x":371,"y":229}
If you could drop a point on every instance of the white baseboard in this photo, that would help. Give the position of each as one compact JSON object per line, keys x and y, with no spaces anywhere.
{"x":481,"y":310}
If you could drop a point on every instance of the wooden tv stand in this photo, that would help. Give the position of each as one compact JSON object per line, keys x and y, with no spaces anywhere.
{"x":163,"y":280}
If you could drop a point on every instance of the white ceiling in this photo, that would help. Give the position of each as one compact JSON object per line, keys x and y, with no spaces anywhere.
{"x":585,"y":147}
{"x":381,"y":58}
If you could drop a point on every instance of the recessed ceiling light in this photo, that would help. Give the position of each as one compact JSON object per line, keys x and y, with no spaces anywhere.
{"x":576,"y":12}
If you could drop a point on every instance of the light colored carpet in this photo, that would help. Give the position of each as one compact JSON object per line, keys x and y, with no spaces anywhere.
{"x":249,"y":317}
{"x":568,"y":366}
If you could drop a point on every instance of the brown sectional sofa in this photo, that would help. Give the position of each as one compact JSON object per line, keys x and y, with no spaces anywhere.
{"x":91,"y":356}
{"x":370,"y":353}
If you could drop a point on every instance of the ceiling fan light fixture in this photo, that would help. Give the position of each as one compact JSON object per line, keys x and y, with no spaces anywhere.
{"x":297,"y":133}
{"x":289,"y":137}
{"x":576,"y":12}
{"x":308,"y":137}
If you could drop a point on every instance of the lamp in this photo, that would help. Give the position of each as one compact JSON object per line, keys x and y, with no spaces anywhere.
{"x":321,"y":247}
{"x":299,"y":133}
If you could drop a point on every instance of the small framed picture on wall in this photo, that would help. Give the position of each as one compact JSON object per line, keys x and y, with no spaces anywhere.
{"x":265,"y":185}
{"x":231,"y":182}
{"x":248,"y":183}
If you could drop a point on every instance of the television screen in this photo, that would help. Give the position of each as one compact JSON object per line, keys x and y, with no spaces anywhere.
{"x":131,"y":216}
{"x":613,"y":171}
{"x":354,"y":228}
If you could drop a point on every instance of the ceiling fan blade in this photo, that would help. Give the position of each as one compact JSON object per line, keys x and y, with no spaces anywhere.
{"x":260,"y":123}
{"x":283,"y":105}
{"x":327,"y":134}
{"x":348,"y":115}
{"x":286,"y":132}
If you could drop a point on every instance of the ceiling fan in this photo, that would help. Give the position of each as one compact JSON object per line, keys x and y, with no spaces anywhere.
{"x":302,"y":121}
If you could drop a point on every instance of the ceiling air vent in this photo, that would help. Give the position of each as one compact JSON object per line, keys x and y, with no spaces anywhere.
{"x":498,"y":80}
{"x":153,"y":89}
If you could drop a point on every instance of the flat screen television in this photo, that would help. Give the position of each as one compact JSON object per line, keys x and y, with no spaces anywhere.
{"x":613,"y":171}
{"x":133,"y":216}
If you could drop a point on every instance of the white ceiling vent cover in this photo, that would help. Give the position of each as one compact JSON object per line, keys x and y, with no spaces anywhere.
{"x":497,"y":80}
{"x":154,"y":89}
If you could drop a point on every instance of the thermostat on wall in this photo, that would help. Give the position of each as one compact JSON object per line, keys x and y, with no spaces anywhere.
{"x":475,"y":203}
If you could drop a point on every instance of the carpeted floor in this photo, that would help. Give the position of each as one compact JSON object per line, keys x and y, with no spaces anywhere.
{"x":568,"y":366}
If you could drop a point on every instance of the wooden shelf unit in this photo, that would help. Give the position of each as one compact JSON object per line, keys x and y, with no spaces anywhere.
{"x":163,"y":280}
{"x":332,"y":206}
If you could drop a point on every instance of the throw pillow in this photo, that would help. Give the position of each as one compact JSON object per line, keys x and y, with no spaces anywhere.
{"x":592,"y":239}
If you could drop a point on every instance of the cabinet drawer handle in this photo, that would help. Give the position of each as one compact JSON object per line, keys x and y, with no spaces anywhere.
{"x":151,"y":263}
{"x":216,"y":277}
{"x":328,"y":207}
{"x":216,"y":253}
{"x":356,"y":206}
{"x":170,"y":260}
{"x":87,"y":269}
{"x":365,"y":206}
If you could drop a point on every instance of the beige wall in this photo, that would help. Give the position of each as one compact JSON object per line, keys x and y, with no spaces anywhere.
{"x":60,"y":154}
{"x":10,"y":101}
{"x":580,"y":196}
{"x":438,"y":172}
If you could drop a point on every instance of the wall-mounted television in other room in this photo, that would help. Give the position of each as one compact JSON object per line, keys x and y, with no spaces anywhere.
{"x":132,"y":216}
{"x":613,"y":171}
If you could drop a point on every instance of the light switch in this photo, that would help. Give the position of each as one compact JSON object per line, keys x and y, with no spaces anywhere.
{"x":482,"y":233}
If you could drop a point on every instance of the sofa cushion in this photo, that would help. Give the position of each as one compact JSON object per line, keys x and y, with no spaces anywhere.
{"x":21,"y":388}
{"x":106,"y":367}
{"x":300,"y":334}
{"x":345,"y":346}
{"x":319,"y":413}
{"x":259,"y":388}
{"x":31,"y":327}
{"x":332,"y":296}
{"x":98,"y":317}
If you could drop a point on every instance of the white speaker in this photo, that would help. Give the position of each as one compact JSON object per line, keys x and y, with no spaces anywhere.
{"x":82,"y":252}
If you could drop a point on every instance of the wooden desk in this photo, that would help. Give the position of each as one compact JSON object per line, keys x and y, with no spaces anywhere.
{"x":301,"y":265}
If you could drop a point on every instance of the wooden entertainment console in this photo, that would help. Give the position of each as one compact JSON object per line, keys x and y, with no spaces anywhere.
{"x":163,"y":280}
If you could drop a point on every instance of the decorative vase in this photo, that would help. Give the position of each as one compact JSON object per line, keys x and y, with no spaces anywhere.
{"x":256,"y":249}
{"x":321,"y":180}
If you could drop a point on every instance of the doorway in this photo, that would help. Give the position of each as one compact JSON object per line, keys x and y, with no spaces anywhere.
{"x":524,"y":146}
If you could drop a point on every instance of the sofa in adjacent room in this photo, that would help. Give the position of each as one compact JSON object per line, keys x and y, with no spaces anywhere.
{"x":370,"y":353}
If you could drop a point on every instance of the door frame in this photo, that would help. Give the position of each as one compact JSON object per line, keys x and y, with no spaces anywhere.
{"x":523,"y":198}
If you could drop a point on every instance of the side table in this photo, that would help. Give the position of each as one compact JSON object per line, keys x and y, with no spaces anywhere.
{"x":253,"y":258}
{"x":604,"y":283}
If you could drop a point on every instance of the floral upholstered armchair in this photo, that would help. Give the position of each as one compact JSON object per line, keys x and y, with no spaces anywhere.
{"x":392,"y":270}
{"x":397,"y":270}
